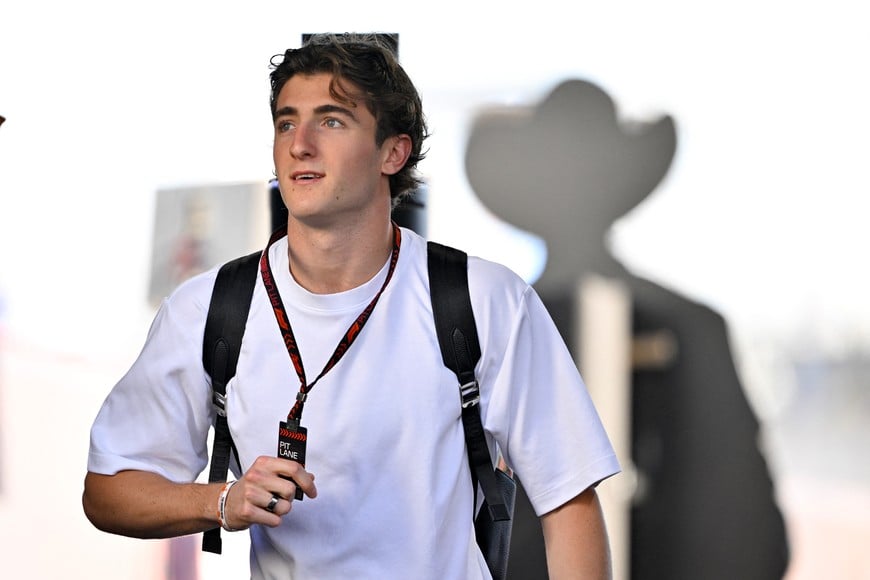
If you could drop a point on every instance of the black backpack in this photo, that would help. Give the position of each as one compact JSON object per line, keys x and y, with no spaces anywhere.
{"x":460,"y":350}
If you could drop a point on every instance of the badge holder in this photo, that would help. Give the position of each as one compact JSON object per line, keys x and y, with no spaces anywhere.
{"x":292,"y":440}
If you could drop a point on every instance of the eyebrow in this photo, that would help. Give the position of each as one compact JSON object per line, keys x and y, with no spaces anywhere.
{"x":321,"y":110}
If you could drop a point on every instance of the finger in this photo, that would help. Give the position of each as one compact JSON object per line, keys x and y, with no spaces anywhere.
{"x":273,"y":503}
{"x":246,"y":504}
{"x":270,"y":505}
{"x":273,"y":475}
{"x":296,"y":475}
{"x":307,"y":484}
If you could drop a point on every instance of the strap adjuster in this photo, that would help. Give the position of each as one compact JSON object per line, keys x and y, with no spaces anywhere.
{"x":469,"y":394}
{"x":219,"y":402}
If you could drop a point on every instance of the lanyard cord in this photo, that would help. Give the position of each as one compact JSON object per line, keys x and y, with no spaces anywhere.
{"x":287,"y":331}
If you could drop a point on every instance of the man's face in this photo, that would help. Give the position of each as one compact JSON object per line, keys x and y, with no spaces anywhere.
{"x":326,"y":160}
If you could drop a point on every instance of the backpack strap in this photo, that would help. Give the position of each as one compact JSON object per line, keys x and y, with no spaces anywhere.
{"x":460,"y":349}
{"x":224,"y":328}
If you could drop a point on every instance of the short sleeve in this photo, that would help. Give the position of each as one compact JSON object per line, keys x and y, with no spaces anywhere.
{"x":537,"y":406}
{"x":157,"y":417}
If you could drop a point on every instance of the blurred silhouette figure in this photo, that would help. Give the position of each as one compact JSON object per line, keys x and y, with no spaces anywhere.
{"x":704,"y":507}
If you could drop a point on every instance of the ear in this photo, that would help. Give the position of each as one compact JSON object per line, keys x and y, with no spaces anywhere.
{"x":396,"y":150}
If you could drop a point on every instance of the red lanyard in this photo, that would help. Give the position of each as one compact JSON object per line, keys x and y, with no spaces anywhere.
{"x":287,"y":331}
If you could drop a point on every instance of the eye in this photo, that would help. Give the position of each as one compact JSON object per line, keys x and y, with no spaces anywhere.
{"x":283,"y":126}
{"x":333,"y":123}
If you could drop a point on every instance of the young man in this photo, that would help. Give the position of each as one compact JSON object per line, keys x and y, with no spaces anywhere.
{"x":345,"y":294}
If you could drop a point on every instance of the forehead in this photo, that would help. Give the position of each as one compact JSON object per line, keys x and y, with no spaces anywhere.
{"x":315,"y":88}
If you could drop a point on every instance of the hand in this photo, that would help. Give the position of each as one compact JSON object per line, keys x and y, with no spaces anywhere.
{"x":249,"y":498}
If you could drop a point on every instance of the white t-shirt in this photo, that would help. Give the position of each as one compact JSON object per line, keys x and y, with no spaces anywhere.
{"x":385,"y":439}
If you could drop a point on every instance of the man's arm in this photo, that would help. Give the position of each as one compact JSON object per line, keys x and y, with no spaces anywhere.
{"x":146,"y":505}
{"x":576,"y":540}
{"x":141,"y":504}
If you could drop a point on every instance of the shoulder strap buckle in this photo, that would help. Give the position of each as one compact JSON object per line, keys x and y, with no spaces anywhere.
{"x":219,"y":401}
{"x":469,"y":394}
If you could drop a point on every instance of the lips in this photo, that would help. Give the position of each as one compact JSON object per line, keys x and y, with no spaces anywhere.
{"x":306,"y":175}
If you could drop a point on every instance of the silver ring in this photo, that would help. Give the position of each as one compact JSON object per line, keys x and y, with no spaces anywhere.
{"x":272,"y":503}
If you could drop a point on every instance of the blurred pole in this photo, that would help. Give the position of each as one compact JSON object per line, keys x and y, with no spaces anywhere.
{"x":183,"y":558}
{"x":411,"y":213}
{"x":277,"y":209}
{"x":604,"y":356}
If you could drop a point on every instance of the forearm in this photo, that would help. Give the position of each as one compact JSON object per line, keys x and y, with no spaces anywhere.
{"x":576,"y":540}
{"x":146,"y":505}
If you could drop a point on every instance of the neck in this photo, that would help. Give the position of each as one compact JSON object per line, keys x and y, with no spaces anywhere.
{"x":331,"y":260}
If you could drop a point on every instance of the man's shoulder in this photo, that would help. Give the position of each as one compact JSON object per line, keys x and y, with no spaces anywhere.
{"x":487,"y":279}
{"x":495,"y":273}
{"x":477,"y":265}
{"x":494,"y":287}
{"x":195,"y":291}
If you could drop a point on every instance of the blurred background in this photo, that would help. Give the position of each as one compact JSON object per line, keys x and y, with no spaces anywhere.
{"x":761,"y":216}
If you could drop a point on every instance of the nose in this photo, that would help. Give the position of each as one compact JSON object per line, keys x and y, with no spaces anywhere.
{"x":303,"y":144}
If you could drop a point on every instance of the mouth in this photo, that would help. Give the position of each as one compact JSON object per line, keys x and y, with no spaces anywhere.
{"x":306,"y":176}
